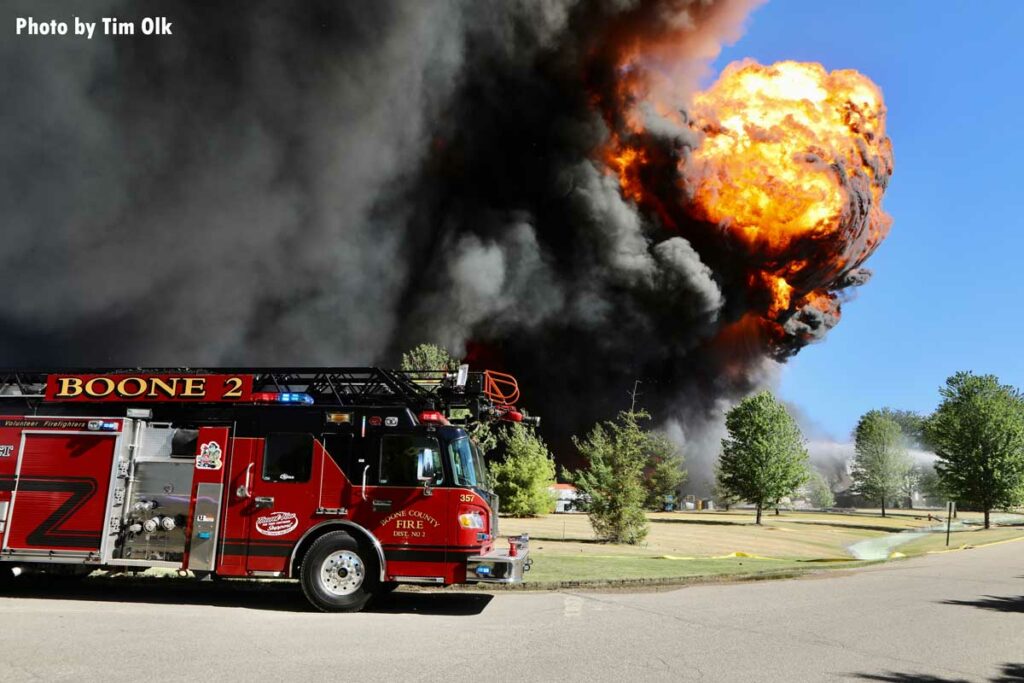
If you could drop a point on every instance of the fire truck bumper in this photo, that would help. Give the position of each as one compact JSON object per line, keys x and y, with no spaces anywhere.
{"x":501,"y":566}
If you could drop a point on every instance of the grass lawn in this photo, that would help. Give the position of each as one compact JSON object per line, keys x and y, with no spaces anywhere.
{"x":690,"y":544}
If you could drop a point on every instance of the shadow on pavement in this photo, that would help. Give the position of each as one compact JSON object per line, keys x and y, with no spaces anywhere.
{"x":272,"y":596}
{"x":442,"y":604}
{"x":161,"y":591}
{"x":1010,"y":673}
{"x":909,"y":678}
{"x":998,"y":603}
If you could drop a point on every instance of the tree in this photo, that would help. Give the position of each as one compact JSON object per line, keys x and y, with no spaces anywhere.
{"x":523,"y":477}
{"x":763,"y":458}
{"x":911,"y":425}
{"x":723,"y":497}
{"x":612,"y":484}
{"x":911,"y":484}
{"x":484,"y":435}
{"x":665,"y":473}
{"x":819,"y":492}
{"x":881,"y":462}
{"x":929,"y":484}
{"x":977,"y":433}
{"x":427,"y":357}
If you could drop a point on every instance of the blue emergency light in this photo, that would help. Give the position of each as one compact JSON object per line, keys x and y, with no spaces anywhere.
{"x":284,"y":397}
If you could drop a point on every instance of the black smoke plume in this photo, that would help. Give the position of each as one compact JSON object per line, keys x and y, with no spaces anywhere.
{"x":329,"y":183}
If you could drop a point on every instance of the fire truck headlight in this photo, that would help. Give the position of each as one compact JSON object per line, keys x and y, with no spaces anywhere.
{"x":471,"y":520}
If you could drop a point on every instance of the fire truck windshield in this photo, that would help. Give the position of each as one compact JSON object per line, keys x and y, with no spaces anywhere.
{"x":467,"y":464}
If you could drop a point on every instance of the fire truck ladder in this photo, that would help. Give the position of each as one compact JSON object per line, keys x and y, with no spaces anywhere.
{"x":485,"y":394}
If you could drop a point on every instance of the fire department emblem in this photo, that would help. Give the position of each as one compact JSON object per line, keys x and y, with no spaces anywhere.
{"x":209,"y":457}
{"x":277,"y":524}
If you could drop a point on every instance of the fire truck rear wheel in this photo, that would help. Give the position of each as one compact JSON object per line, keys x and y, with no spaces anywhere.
{"x":337,"y":574}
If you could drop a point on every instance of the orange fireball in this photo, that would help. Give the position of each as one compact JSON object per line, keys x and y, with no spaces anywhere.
{"x":782,"y":146}
{"x":783,"y":167}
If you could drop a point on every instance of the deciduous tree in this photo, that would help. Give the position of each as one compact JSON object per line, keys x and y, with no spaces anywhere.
{"x":978,"y":436}
{"x":819,"y":492}
{"x":429,"y":357}
{"x":763,"y":457}
{"x":911,"y":425}
{"x":930,"y":486}
{"x":881,"y":463}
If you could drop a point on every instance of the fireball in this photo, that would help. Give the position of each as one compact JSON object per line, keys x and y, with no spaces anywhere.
{"x":789,"y":168}
{"x":793,"y":161}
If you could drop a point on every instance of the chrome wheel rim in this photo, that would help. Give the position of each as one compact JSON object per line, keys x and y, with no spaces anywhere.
{"x":342,"y":572}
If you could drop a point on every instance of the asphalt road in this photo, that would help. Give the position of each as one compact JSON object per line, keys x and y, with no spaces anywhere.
{"x":951,"y":617}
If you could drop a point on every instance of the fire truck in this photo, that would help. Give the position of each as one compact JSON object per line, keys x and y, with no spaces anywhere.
{"x":350,"y":480}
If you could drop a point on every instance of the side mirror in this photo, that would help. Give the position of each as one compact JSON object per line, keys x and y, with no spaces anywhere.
{"x":425,"y":466}
{"x":426,"y":470}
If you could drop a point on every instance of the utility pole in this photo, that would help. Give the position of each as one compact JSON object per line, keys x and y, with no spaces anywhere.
{"x":633,"y":394}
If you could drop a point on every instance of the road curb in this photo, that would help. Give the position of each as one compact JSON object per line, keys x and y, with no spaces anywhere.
{"x":769,"y":575}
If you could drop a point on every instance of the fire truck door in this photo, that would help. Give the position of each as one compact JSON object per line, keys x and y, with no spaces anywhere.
{"x":410,"y":520}
{"x":281,"y":501}
{"x":61,"y":490}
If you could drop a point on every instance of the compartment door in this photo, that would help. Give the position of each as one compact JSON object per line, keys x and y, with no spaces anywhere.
{"x":60,"y":494}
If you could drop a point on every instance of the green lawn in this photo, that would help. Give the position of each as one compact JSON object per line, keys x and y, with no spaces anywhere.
{"x":564,"y":548}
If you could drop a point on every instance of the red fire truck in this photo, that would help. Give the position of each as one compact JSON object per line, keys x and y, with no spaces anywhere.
{"x":351,"y":480}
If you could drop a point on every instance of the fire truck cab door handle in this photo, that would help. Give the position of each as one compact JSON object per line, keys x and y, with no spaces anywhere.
{"x":244,"y":491}
{"x":264,"y":501}
{"x":379,"y":505}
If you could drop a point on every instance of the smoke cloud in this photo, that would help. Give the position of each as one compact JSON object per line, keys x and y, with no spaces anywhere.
{"x":329,"y":183}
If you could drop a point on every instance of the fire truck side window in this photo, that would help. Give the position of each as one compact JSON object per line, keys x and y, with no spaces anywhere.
{"x":400,"y":456}
{"x":288,"y":457}
{"x":340,"y":447}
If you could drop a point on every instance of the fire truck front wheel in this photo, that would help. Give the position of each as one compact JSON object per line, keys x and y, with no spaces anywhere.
{"x":337,"y":574}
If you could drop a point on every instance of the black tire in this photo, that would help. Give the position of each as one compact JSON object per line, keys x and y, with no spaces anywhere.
{"x":338,"y":574}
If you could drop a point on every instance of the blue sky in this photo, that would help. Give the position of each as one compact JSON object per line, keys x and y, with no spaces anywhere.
{"x":948,"y":286}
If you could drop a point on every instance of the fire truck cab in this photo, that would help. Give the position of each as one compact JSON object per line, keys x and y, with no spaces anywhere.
{"x":351,"y":480}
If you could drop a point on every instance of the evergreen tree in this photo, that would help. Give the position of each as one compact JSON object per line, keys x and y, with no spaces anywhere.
{"x":612,"y":484}
{"x":665,"y":473}
{"x":523,"y":478}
